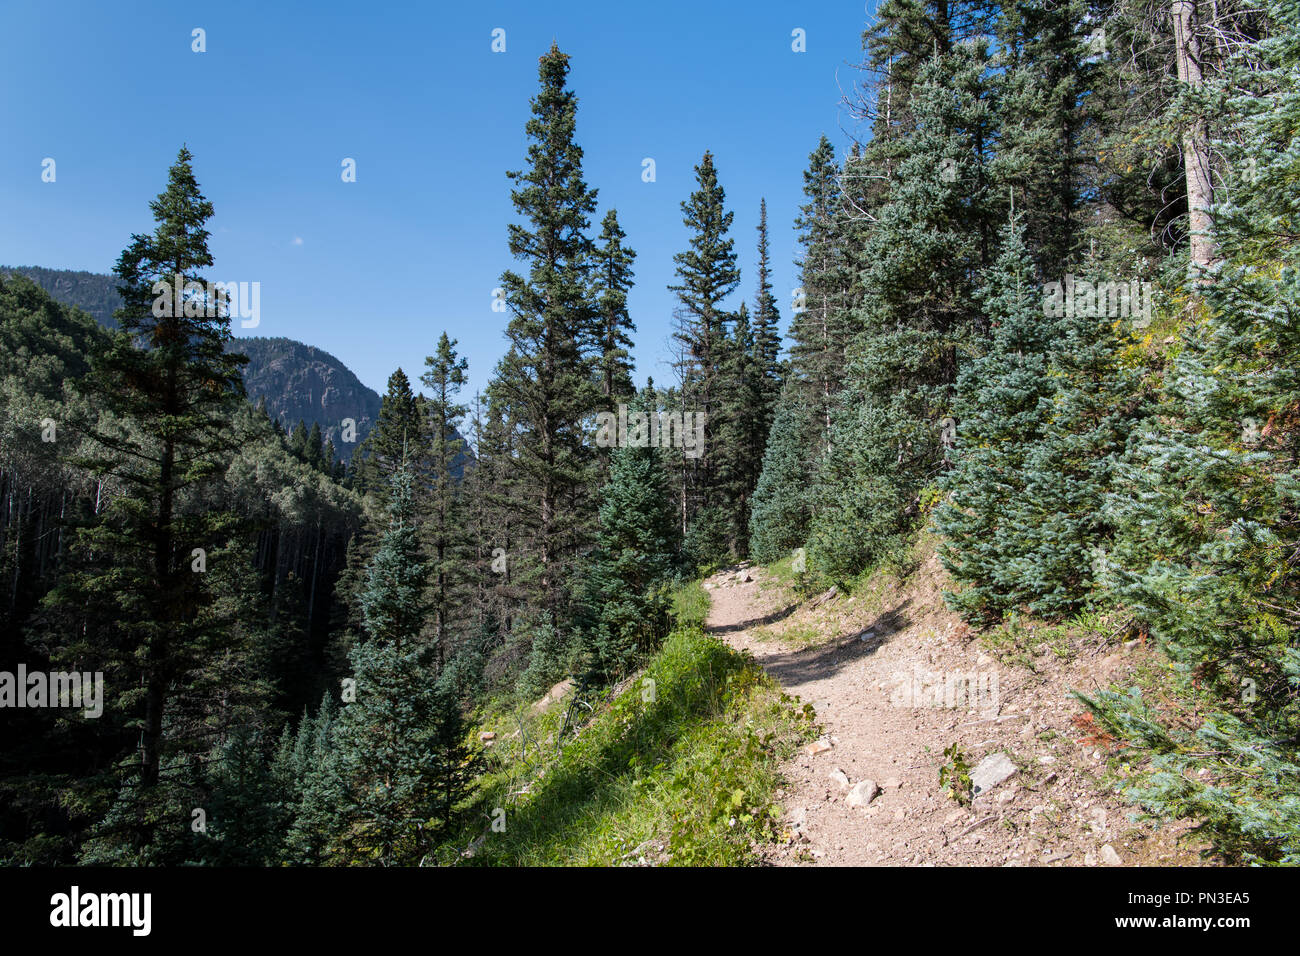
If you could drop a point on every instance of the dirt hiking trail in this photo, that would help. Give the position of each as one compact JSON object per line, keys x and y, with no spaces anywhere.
{"x":877,"y":668}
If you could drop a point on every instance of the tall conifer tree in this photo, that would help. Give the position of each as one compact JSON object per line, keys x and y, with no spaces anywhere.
{"x":707,"y":273}
{"x":171,"y":389}
{"x":613,"y":272}
{"x":545,"y":385}
{"x":444,"y":531}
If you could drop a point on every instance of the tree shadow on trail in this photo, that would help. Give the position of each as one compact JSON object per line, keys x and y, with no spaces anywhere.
{"x":795,"y":667}
{"x":781,"y":615}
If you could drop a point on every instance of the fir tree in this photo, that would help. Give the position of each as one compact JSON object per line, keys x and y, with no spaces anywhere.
{"x":1207,"y":505}
{"x":545,"y":386}
{"x":170,"y":390}
{"x":613,"y":272}
{"x":444,"y":532}
{"x":707,"y":274}
{"x":389,"y":736}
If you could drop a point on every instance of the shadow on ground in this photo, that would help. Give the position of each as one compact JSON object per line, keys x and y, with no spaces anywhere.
{"x":781,"y":615}
{"x":795,"y":667}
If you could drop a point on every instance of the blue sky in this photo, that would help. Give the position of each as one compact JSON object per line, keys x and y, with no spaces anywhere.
{"x":374,"y":271}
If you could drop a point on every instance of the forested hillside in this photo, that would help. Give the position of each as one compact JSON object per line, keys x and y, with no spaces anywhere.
{"x":1047,"y":324}
{"x":92,"y":292}
{"x":1051,"y":311}
{"x":300,"y":383}
{"x":297,"y":383}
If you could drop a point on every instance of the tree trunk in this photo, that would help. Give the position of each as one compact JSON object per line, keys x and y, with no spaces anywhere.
{"x":1196,"y":145}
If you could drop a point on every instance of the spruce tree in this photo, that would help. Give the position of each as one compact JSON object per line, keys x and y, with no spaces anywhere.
{"x":488,"y":495}
{"x":918,"y":313}
{"x":398,"y":435}
{"x":315,"y":448}
{"x":246,"y":816}
{"x":999,"y":415}
{"x":635,"y":552}
{"x":613,"y":275}
{"x":310,"y":777}
{"x":766,"y":331}
{"x":169,"y":390}
{"x":782,"y":506}
{"x":1207,"y":505}
{"x":742,"y":433}
{"x":388,"y":737}
{"x":1045,"y":122}
{"x":545,"y":386}
{"x":1070,"y":471}
{"x":298,"y":441}
{"x":707,"y":274}
{"x":444,"y":530}
{"x":819,"y":345}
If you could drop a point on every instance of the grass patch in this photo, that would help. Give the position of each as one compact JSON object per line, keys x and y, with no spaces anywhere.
{"x":680,"y":767}
{"x":800,"y":636}
{"x":690,"y":604}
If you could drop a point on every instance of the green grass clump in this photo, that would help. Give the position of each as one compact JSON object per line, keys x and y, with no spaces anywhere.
{"x":690,"y":604}
{"x":682,"y":761}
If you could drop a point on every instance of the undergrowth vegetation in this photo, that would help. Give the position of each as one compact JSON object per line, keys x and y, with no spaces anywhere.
{"x":676,"y":765}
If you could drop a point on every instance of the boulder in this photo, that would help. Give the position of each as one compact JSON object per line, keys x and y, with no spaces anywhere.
{"x":556,"y":693}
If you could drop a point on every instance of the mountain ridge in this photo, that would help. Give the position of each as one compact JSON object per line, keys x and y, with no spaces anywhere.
{"x":298,"y":381}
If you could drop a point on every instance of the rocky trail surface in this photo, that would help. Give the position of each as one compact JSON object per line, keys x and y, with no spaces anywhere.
{"x":895,"y":678}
